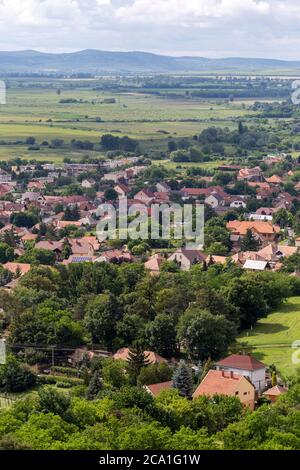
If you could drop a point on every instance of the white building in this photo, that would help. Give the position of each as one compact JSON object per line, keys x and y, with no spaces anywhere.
{"x":247,"y":366}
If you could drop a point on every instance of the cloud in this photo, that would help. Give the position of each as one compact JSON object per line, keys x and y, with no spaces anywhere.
{"x":201,"y":27}
{"x":187,"y":11}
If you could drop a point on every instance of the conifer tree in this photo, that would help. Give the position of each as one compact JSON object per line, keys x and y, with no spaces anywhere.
{"x":274,"y":378}
{"x":249,"y":242}
{"x":206,"y":368}
{"x":183,"y":379}
{"x":137,"y":359}
{"x":95,"y":386}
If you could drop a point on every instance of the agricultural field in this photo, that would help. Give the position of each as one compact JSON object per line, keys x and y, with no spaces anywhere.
{"x":84,"y":114}
{"x":271,"y":340}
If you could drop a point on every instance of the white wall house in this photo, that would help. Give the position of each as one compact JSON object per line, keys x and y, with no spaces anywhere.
{"x":247,"y":366}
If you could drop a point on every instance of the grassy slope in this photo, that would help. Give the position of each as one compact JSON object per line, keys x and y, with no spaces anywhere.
{"x":273,"y":336}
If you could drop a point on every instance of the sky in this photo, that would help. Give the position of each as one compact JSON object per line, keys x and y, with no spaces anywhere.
{"x":209,"y":28}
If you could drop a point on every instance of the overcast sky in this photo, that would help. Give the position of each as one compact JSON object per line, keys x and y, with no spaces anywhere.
{"x":210,"y":28}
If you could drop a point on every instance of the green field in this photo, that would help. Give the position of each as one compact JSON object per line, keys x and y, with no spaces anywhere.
{"x":273,"y":336}
{"x":150,"y":119}
{"x":182,"y":166}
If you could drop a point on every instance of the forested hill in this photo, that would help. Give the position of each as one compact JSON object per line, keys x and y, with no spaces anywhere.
{"x":93,"y":61}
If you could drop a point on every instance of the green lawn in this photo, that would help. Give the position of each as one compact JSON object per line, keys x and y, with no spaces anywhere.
{"x":273,"y":336}
{"x":205,"y":165}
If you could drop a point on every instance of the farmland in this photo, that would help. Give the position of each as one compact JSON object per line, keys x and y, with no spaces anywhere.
{"x":85,"y":114}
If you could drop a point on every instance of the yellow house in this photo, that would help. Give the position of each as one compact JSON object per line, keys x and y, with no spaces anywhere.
{"x":219,"y":382}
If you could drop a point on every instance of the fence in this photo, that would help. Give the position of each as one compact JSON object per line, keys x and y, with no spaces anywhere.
{"x":6,"y":401}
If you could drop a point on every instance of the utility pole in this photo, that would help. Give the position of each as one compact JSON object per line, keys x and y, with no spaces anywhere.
{"x":53,"y":358}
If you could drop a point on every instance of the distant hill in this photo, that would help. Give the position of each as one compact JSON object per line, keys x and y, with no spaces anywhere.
{"x":93,"y":61}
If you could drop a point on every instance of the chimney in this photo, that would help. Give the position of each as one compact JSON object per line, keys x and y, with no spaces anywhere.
{"x":231,"y":375}
{"x":223,"y":373}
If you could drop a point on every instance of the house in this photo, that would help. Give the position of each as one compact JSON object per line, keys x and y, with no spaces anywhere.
{"x":196,"y":193}
{"x":247,"y":366}
{"x":264,"y":193}
{"x":15,"y":268}
{"x":215,"y":259}
{"x":61,"y":224}
{"x":78,"y":168}
{"x":54,"y":246}
{"x":145,"y":195}
{"x":284,"y":201}
{"x":154,"y":263}
{"x":187,"y":258}
{"x":5,"y":217}
{"x":78,"y":259}
{"x":161,"y":197}
{"x":267,"y":218}
{"x":241,"y":257}
{"x":80,"y":247}
{"x":121,"y":189}
{"x":263,"y":231}
{"x":254,"y":265}
{"x":152,"y":357}
{"x":80,"y":353}
{"x":163,"y":187}
{"x":214,"y":200}
{"x":221,"y":382}
{"x":114,"y":256}
{"x":273,"y":393}
{"x":254,"y":175}
{"x":31,"y":197}
{"x":92,"y":240}
{"x":155,"y":389}
{"x":236,"y":202}
{"x":29,"y":237}
{"x":115,"y":176}
{"x":5,"y":177}
{"x":36,"y":185}
{"x":269,"y":211}
{"x":274,"y":180}
{"x":88,"y":183}
{"x":5,"y":188}
{"x":275,"y":252}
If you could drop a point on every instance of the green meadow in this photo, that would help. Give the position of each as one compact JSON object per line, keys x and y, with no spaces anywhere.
{"x":272,"y":338}
{"x":151,"y":119}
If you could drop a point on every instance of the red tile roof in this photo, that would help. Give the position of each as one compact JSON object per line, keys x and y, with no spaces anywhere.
{"x":155,"y":389}
{"x":23,"y":268}
{"x":216,"y":382}
{"x":152,"y":357}
{"x":241,"y":361}
{"x":241,"y":227}
{"x":275,"y":391}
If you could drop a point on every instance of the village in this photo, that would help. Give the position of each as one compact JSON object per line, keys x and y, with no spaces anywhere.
{"x":51,"y":230}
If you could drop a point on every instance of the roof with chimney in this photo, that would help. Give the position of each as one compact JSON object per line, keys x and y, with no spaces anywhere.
{"x":238,"y":227}
{"x":154,"y":263}
{"x":218,"y":382}
{"x":241,"y":361}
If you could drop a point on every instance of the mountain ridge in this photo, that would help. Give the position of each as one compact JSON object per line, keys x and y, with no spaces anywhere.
{"x":97,"y":61}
